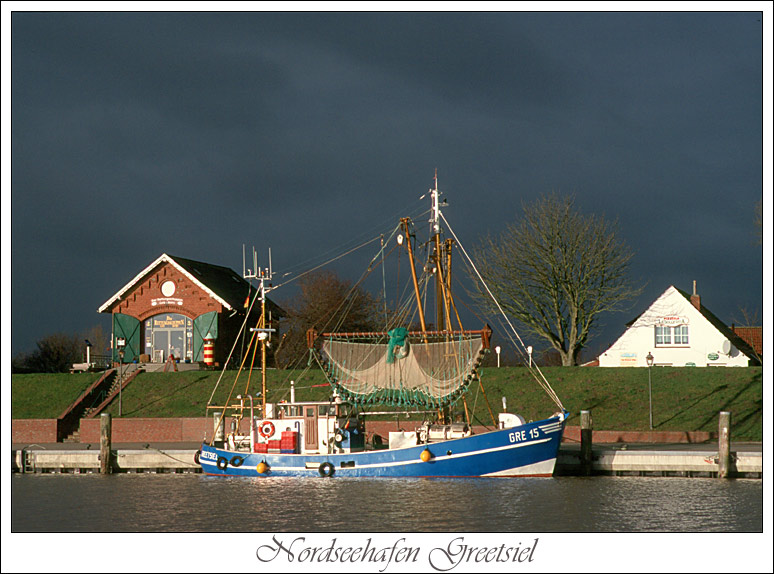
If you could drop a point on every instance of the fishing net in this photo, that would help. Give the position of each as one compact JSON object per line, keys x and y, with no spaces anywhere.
{"x":402,"y":369}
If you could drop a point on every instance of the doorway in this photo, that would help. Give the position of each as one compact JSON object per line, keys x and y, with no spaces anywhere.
{"x":168,"y":334}
{"x":310,"y":428}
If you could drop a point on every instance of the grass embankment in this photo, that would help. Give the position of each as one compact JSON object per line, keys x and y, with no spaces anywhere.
{"x":47,"y":395}
{"x":684,"y":399}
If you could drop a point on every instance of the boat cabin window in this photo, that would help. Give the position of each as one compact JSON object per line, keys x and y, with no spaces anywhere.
{"x":326,"y":410}
{"x":346,"y":411}
{"x":289,"y":411}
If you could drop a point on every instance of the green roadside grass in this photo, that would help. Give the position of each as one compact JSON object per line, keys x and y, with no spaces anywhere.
{"x":684,"y":399}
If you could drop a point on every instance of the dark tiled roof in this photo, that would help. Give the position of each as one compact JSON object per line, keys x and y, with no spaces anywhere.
{"x":735,"y":339}
{"x":224,"y":282}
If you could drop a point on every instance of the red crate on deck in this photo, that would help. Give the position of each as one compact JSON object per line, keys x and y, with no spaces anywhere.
{"x":289,"y":442}
{"x":261,"y":447}
{"x":275,"y":446}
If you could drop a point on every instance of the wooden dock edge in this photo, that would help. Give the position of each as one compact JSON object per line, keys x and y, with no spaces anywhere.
{"x":150,"y":460}
{"x":681,"y":463}
{"x":610,"y":462}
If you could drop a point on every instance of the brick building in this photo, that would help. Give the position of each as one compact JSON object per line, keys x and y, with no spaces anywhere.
{"x":174,"y":304}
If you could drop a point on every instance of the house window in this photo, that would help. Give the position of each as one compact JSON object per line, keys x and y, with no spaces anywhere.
{"x":671,"y":336}
{"x":681,"y":335}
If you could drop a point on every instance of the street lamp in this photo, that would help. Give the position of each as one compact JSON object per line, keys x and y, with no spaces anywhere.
{"x":529,"y":352}
{"x":649,"y":360}
{"x":120,"y":343}
{"x":497,"y":350}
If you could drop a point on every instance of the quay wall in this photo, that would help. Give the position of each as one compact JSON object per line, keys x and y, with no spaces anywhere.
{"x":573,"y":434}
{"x":150,"y":429}
{"x":195,"y":429}
{"x":124,"y":430}
{"x":33,"y":430}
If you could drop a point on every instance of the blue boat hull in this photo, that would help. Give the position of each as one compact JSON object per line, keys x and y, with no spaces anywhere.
{"x":527,"y":450}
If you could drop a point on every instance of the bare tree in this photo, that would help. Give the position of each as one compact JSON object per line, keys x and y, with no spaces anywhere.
{"x":556,"y":271}
{"x":54,"y":354}
{"x":326,"y":303}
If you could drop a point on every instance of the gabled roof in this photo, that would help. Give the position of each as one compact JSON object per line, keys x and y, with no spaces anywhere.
{"x":221,"y":283}
{"x":735,"y":339}
{"x":727,"y":332}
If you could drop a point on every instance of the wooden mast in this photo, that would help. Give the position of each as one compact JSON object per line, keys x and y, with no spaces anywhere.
{"x":405,"y":222}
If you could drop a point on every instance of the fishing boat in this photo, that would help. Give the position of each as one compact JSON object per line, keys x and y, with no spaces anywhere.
{"x":423,"y":371}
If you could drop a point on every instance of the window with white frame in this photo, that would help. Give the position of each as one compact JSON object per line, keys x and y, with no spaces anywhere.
{"x":671,"y":336}
{"x":681,"y":335}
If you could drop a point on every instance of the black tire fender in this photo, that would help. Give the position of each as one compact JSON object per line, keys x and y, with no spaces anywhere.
{"x":236,"y":460}
{"x":222,"y":463}
{"x":326,"y":469}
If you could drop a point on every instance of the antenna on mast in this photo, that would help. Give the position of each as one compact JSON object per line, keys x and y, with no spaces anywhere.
{"x":256,"y":272}
{"x":436,"y":205}
{"x":262,"y":331}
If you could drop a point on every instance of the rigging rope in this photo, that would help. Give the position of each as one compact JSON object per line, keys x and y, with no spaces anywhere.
{"x":542,"y":379}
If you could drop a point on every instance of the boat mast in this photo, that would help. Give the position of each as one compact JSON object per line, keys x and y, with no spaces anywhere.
{"x":264,"y":333}
{"x":442,"y":262}
{"x":438,"y":258}
{"x":405,"y":222}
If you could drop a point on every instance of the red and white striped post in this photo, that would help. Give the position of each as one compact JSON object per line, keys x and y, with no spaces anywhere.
{"x":209,"y":350}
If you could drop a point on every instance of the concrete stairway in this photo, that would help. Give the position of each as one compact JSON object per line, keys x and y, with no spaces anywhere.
{"x":118,"y":384}
{"x":69,"y":421}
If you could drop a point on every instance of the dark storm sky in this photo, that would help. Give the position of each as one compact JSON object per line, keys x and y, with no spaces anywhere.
{"x":136,"y":134}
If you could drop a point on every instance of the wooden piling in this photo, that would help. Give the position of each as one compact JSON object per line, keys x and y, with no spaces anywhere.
{"x":724,"y":444}
{"x":105,"y":435}
{"x":586,"y":440}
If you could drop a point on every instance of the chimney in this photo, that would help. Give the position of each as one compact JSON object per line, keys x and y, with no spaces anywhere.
{"x":695,"y":299}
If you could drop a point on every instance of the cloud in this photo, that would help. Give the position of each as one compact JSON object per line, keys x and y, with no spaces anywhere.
{"x":137,"y":133}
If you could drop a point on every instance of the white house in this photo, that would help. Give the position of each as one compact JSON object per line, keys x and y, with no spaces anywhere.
{"x":678,"y":331}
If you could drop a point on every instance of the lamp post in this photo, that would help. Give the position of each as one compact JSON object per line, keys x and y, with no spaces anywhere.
{"x":529,"y":352}
{"x":88,"y":354}
{"x":120,"y":343}
{"x":497,"y":350}
{"x":649,"y":360}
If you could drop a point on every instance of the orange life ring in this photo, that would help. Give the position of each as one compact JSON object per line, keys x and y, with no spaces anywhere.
{"x":266,"y":429}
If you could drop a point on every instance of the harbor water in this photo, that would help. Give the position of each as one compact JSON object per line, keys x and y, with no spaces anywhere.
{"x":260,"y":512}
{"x":184,"y":503}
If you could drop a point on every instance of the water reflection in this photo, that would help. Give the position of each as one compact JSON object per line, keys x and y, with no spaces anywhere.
{"x":196,"y":503}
